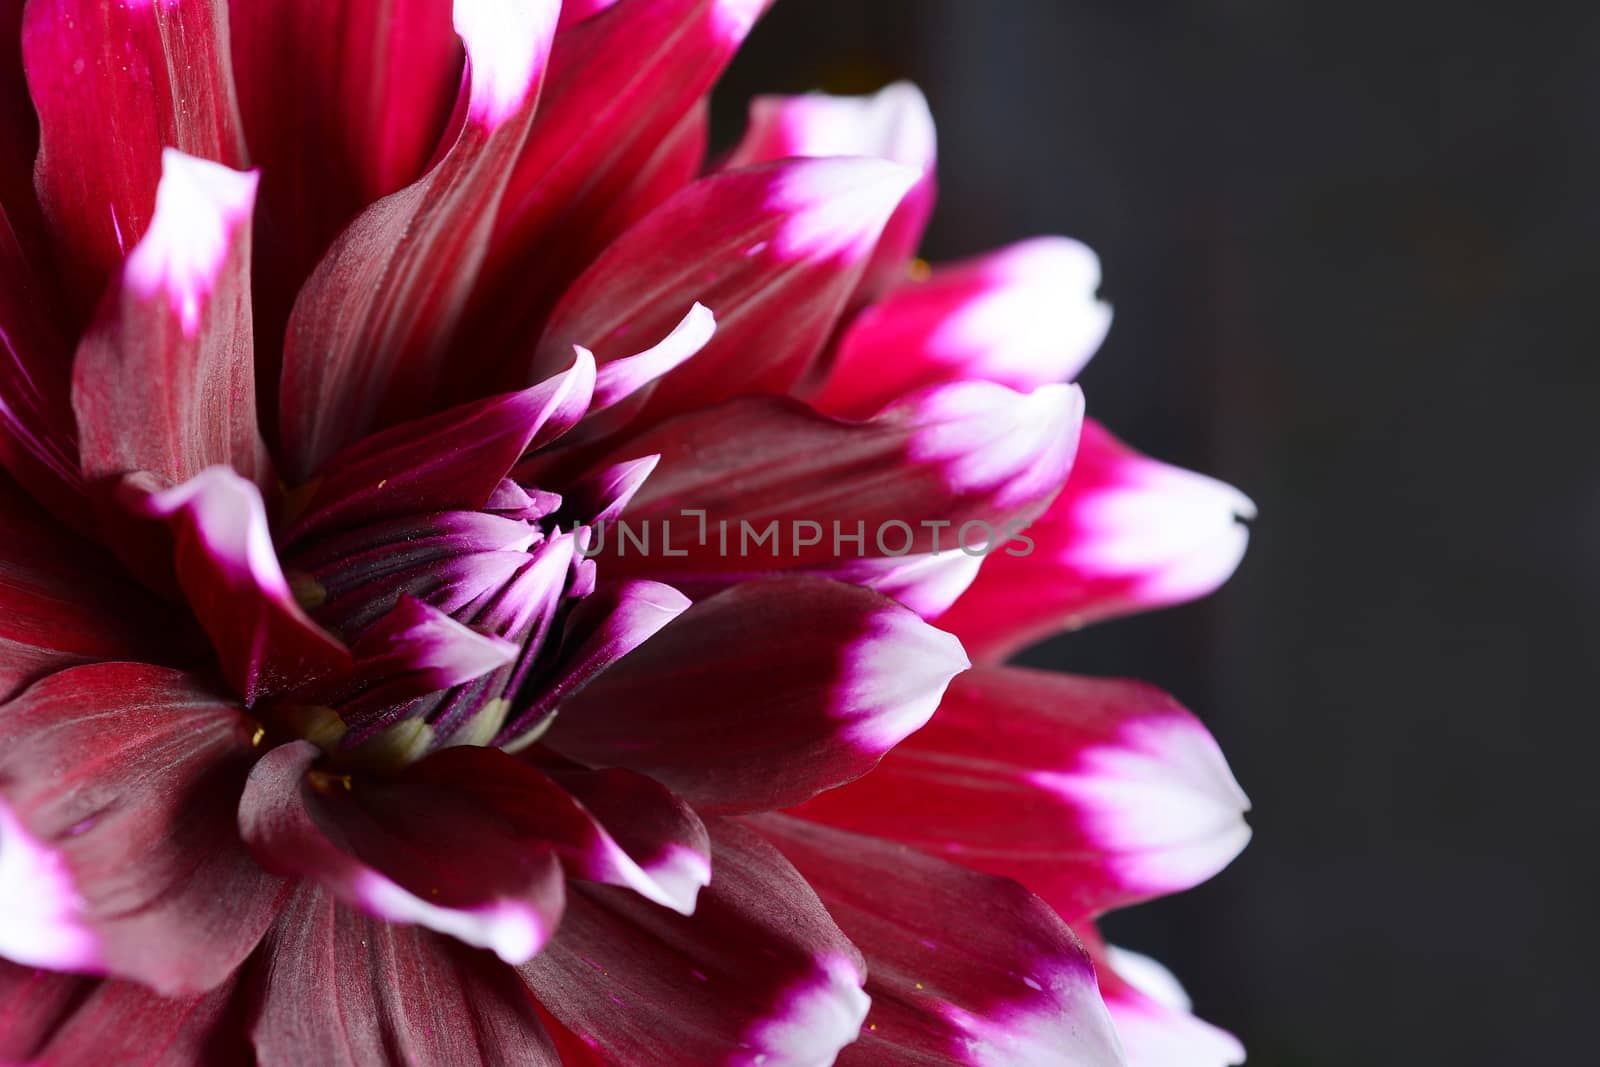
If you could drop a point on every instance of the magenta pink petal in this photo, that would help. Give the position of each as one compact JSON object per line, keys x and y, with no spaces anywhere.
{"x":1152,"y":1016}
{"x":964,"y":969}
{"x":1127,"y":534}
{"x":773,"y":251}
{"x":1094,"y":793}
{"x":407,"y":851}
{"x":339,"y":989}
{"x":55,"y":592}
{"x":372,"y":327}
{"x":164,"y":381}
{"x":114,"y":84}
{"x":117,"y":786}
{"x":758,"y":975}
{"x":764,"y":695}
{"x":892,"y":124}
{"x":230,"y":574}
{"x":63,"y":1020}
{"x":1023,"y":316}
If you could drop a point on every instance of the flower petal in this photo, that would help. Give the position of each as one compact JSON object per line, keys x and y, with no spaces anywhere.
{"x":371,"y":328}
{"x":893,"y":123}
{"x":61,"y":604}
{"x":231,"y":576}
{"x":963,"y":968}
{"x":64,"y":1020}
{"x":773,"y":250}
{"x":906,"y":501}
{"x":621,"y":127}
{"x":1094,"y":793}
{"x":763,"y":695}
{"x":403,"y":851}
{"x":759,"y":975}
{"x":117,"y":847}
{"x":1127,"y":534}
{"x":1023,"y":316}
{"x":114,"y":84}
{"x":339,"y":989}
{"x":454,"y":460}
{"x":164,"y":381}
{"x":1151,"y":1012}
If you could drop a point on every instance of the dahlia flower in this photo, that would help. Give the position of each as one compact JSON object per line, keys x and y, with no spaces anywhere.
{"x":336,"y":729}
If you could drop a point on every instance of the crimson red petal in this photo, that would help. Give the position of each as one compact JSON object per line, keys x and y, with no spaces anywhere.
{"x":370,"y":330}
{"x":1094,"y":793}
{"x":117,"y":787}
{"x":335,"y":988}
{"x":763,"y":695}
{"x":965,"y":970}
{"x":113,"y":85}
{"x":758,"y":975}
{"x":773,"y":251}
{"x":164,"y":381}
{"x":49,"y":1019}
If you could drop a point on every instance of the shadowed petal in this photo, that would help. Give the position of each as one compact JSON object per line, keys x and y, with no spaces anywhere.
{"x":773,"y":250}
{"x":231,"y":577}
{"x":114,"y":84}
{"x":1127,"y":534}
{"x":164,"y":381}
{"x":371,"y":328}
{"x":763,"y":695}
{"x":759,"y":975}
{"x":118,"y":852}
{"x":1094,"y":793}
{"x":963,"y":968}
{"x":892,"y":124}
{"x":405,"y":850}
{"x":63,"y":1020}
{"x":1023,"y":316}
{"x":338,"y":989}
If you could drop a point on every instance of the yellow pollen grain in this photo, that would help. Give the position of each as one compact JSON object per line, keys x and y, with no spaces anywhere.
{"x":256,"y":736}
{"x":323,"y":782}
{"x":919,"y":270}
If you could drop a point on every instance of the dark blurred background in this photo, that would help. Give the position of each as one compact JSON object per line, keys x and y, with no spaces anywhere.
{"x":1353,"y":256}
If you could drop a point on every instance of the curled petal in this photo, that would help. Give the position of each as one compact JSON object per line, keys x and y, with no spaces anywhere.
{"x":117,"y":848}
{"x":1127,"y":534}
{"x":408,"y":854}
{"x":963,"y":968}
{"x":1094,"y":793}
{"x":231,"y":577}
{"x":1024,"y":316}
{"x":758,"y":975}
{"x":340,"y":989}
{"x":164,"y":381}
{"x":764,"y":695}
{"x":892,"y":124}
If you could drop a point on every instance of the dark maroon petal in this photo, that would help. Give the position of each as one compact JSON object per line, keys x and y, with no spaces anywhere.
{"x":773,"y":251}
{"x":764,"y":695}
{"x":907,"y":502}
{"x":892,"y":124}
{"x":117,"y":788}
{"x":1024,"y":316}
{"x":63,"y":603}
{"x":621,"y":127}
{"x":49,"y":1019}
{"x":454,"y":460}
{"x":965,"y":969}
{"x":164,"y":381}
{"x":335,"y":988}
{"x":114,"y":84}
{"x":1127,"y":534}
{"x":230,"y":573}
{"x":407,"y":850}
{"x":1094,"y":793}
{"x":371,"y":328}
{"x":758,"y":975}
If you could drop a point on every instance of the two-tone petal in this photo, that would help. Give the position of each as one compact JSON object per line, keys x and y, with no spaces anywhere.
{"x":1152,"y":1014}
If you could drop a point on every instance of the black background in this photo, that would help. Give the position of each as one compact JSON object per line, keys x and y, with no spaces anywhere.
{"x":1353,"y":259}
